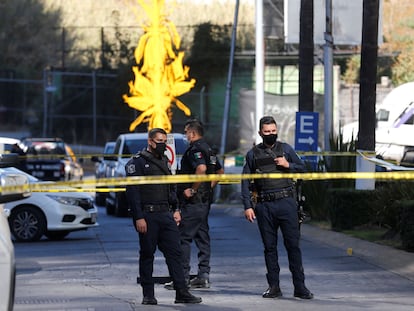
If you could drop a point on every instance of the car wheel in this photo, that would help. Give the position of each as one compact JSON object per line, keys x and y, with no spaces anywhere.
{"x":120,"y":203}
{"x":56,"y":235}
{"x":27,"y":224}
{"x":110,"y":210}
{"x":100,"y":199}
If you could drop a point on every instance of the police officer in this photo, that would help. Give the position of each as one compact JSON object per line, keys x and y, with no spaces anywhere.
{"x":276,"y":207}
{"x":195,"y":200}
{"x":156,"y":218}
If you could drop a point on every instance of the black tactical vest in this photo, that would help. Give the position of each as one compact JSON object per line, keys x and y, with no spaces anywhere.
{"x":156,"y":193}
{"x":264,"y":163}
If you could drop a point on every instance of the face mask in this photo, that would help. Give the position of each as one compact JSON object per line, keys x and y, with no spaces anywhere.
{"x":269,"y":140}
{"x":160,"y":148}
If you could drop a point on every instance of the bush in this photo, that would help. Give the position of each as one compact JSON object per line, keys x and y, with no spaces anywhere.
{"x":349,"y":208}
{"x":407,"y":224}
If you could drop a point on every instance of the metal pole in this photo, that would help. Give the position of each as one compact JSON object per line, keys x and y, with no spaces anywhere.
{"x":229,"y":83}
{"x":328,"y":71}
{"x":259,"y":65}
{"x":94,"y":105}
{"x":44,"y":103}
{"x":202,"y":108}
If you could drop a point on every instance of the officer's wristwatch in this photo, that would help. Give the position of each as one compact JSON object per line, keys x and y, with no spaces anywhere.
{"x":193,"y":191}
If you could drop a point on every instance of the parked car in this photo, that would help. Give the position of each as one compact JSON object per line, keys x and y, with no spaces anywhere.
{"x":126,"y":146}
{"x":103,"y":169}
{"x":408,"y":157}
{"x":51,"y":159}
{"x":53,"y":214}
{"x":7,"y":144}
{"x":7,"y":259}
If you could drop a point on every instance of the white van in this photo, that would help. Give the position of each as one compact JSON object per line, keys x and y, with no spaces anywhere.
{"x":395,"y":124}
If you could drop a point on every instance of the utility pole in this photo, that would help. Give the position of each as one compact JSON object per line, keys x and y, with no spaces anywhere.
{"x":328,"y":70}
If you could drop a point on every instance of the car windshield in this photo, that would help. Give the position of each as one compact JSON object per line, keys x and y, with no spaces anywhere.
{"x":109,"y":148}
{"x":46,"y":148}
{"x":31,"y":178}
{"x":132,"y":146}
{"x":181,"y":146}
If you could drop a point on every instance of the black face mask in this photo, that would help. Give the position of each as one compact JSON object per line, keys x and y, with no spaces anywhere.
{"x":269,"y":140}
{"x":160,"y":148}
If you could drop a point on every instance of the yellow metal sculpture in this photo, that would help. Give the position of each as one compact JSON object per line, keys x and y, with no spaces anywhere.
{"x":160,"y":76}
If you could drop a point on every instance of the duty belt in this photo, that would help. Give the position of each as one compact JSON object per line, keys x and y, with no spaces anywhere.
{"x":151,"y":208}
{"x":273,"y":196}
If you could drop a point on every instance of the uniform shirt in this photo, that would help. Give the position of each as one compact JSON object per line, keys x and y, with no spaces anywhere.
{"x":138,"y":195}
{"x":195,"y":156}
{"x":296,"y":165}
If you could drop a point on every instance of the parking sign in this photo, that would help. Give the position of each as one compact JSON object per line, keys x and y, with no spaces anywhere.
{"x":306,"y":136}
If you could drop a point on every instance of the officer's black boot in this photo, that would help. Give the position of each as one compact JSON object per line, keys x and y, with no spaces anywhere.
{"x":184,"y":296}
{"x":149,"y":298}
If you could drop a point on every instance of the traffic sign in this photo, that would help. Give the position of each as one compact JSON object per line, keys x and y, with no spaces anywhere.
{"x":306,"y":138}
{"x":170,"y":152}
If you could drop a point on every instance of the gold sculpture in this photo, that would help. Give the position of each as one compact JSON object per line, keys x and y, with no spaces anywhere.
{"x":160,"y":76}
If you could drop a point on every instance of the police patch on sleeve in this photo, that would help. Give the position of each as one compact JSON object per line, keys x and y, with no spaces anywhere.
{"x":198,"y":155}
{"x":131,"y":169}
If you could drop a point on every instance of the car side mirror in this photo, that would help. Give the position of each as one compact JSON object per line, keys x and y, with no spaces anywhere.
{"x":95,"y":159}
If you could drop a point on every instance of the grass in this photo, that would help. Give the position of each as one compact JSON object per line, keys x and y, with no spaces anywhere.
{"x":374,"y":234}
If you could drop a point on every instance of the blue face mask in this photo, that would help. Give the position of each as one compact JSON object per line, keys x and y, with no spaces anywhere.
{"x":270,"y":139}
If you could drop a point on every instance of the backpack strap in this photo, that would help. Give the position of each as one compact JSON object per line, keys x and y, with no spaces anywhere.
{"x":147,"y":156}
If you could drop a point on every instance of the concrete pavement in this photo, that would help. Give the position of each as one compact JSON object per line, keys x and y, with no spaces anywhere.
{"x":97,"y":270}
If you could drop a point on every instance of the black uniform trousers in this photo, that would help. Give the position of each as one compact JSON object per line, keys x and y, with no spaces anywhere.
{"x":194,"y":227}
{"x":271,"y":216}
{"x":162,"y":231}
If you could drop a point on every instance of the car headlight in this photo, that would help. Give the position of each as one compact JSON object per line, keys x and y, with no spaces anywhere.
{"x":64,"y":200}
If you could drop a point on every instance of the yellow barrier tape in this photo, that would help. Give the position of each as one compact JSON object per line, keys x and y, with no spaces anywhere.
{"x":101,"y":155}
{"x":223,"y":178}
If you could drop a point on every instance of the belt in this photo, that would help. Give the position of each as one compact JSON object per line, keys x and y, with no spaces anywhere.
{"x":151,"y":208}
{"x":273,"y":196}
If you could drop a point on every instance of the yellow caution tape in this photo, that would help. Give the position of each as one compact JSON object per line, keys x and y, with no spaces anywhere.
{"x":113,"y":184}
{"x":101,"y":155}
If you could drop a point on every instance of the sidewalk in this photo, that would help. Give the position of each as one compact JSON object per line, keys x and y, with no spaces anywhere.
{"x":397,"y":261}
{"x":386,"y":257}
{"x":96,"y":270}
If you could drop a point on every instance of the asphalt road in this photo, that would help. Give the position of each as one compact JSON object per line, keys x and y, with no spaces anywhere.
{"x":97,"y":270}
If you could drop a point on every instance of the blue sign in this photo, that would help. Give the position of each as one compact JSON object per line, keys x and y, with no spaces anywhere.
{"x":306,"y":138}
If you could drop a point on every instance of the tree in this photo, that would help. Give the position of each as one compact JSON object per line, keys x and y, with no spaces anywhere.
{"x":398,"y":38}
{"x":30,"y":37}
{"x":368,"y":81}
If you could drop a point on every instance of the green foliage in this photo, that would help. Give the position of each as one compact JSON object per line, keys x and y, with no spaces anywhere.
{"x":407,"y":224}
{"x":351,"y":74}
{"x":209,"y":52}
{"x":388,"y":194}
{"x":316,"y":191}
{"x":349,"y":208}
{"x":29,"y":37}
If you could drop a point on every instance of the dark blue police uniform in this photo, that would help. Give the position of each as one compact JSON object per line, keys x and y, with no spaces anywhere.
{"x":155,"y":203}
{"x":195,"y":210}
{"x":275,"y":208}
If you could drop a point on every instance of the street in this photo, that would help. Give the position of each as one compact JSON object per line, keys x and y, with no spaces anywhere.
{"x":97,"y":270}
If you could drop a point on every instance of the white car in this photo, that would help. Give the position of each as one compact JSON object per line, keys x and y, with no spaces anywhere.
{"x":7,"y":264}
{"x":53,"y":214}
{"x":7,"y":259}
